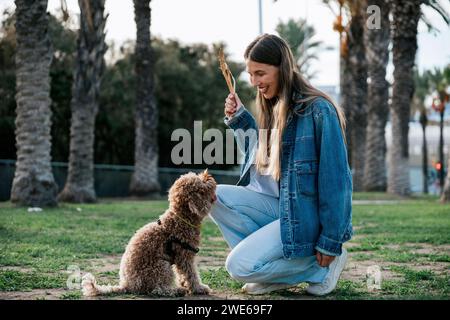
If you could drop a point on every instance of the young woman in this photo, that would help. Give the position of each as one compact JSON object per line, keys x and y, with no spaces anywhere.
{"x":290,"y":212}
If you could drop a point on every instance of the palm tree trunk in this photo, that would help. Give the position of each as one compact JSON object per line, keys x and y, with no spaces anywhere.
{"x":423,"y":122}
{"x":441,"y":148}
{"x":85,"y":95}
{"x":377,"y":54}
{"x":346,"y":97}
{"x":33,"y":183}
{"x":144,"y":181}
{"x":445,"y":197}
{"x":358,"y":91}
{"x":404,"y":37}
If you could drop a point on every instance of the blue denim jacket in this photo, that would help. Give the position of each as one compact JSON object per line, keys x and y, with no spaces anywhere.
{"x":315,"y":183}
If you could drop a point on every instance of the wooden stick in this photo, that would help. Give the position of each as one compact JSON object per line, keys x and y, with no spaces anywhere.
{"x":231,"y":82}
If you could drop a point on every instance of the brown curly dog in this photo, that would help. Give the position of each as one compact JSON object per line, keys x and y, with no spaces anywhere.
{"x":146,"y":266}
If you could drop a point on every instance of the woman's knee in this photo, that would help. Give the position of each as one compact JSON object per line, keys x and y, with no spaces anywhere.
{"x":223,"y":195}
{"x":239,"y":270}
{"x":234,"y":268}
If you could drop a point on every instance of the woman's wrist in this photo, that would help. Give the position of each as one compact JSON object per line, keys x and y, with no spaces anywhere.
{"x":239,"y":111}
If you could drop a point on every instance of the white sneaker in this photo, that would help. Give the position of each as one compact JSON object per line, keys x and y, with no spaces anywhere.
{"x":330,"y":281}
{"x":261,"y":288}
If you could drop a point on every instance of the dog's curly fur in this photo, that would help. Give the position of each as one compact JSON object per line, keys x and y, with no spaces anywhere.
{"x":145,"y":267}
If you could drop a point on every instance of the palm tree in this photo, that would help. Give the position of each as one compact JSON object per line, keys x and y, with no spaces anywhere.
{"x":353,"y":76}
{"x":439,"y":81}
{"x":344,"y":66}
{"x":377,"y":55}
{"x":144,"y":181}
{"x":358,"y":90}
{"x":89,"y":68}
{"x":422,"y":90}
{"x":406,"y":16}
{"x":299,"y":36}
{"x":445,"y":197}
{"x":33,"y":183}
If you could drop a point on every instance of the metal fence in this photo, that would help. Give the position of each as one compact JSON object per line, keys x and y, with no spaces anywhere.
{"x":110,"y":180}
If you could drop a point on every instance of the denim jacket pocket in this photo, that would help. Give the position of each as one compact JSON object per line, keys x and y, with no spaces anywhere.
{"x":305,"y":149}
{"x":306,"y":176}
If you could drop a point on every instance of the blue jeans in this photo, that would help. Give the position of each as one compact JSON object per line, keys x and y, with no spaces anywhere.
{"x":249,"y":222}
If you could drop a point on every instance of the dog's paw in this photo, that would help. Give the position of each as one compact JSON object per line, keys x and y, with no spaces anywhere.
{"x":88,"y":285}
{"x":201,"y":289}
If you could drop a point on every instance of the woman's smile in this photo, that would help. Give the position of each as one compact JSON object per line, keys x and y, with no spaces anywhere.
{"x":264,"y":77}
{"x":263,"y":90}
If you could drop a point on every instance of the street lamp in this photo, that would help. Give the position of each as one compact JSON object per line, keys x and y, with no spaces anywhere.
{"x":260,"y":17}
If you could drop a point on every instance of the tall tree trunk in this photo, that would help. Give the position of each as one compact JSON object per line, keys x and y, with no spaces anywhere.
{"x":423,"y":122}
{"x":144,"y":181}
{"x":441,"y":149}
{"x":445,"y":197}
{"x":89,"y":68}
{"x":33,"y":183}
{"x":406,"y":16}
{"x":377,"y":55}
{"x":358,"y":91}
{"x":346,"y":97}
{"x":345,"y":79}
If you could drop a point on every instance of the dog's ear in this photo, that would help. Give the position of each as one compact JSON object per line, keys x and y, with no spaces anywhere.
{"x":204,"y":175}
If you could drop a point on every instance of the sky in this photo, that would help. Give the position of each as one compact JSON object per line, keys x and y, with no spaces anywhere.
{"x":236,"y":23}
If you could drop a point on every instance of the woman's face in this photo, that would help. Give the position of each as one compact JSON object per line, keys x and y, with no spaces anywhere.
{"x":264,"y":77}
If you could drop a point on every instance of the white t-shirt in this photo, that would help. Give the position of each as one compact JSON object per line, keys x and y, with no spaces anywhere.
{"x":263,"y":183}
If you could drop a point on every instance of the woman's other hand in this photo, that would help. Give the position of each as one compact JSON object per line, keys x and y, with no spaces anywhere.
{"x":323,"y":260}
{"x":232,"y":104}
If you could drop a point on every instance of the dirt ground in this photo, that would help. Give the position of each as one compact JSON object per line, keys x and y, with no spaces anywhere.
{"x":354,"y":271}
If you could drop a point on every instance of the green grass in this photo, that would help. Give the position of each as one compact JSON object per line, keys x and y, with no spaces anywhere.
{"x":375,"y":196}
{"x":220,"y":280}
{"x":71,"y":295}
{"x":414,"y":221}
{"x":55,"y":238}
{"x":347,"y":290}
{"x":423,"y":284}
{"x":11,"y":280}
{"x":39,"y":247}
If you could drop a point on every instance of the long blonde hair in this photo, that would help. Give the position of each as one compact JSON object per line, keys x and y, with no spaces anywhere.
{"x":272,"y":113}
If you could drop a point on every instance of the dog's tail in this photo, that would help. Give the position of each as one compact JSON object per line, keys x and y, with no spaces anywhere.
{"x":91,"y":288}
